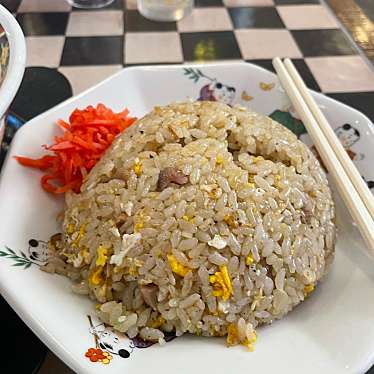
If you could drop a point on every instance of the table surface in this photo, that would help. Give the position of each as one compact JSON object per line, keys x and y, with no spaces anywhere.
{"x":88,"y":46}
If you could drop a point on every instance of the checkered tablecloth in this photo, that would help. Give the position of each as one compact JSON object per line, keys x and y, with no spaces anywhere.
{"x":88,"y":46}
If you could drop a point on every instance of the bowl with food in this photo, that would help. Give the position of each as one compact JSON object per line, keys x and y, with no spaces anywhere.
{"x":206,"y":222}
{"x":12,"y":61}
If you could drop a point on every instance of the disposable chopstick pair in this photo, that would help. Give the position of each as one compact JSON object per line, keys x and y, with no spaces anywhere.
{"x":352,"y":188}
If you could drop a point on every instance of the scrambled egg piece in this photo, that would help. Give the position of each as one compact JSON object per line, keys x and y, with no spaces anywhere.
{"x":222,"y":285}
{"x":83,"y":255}
{"x":249,"y":260}
{"x":139,"y":222}
{"x":102,"y":256}
{"x":230,"y":220}
{"x":70,"y":228}
{"x":249,"y":342}
{"x":217,"y":242}
{"x":138,"y":167}
{"x":80,"y":235}
{"x":176,"y":267}
{"x":219,"y":160}
{"x":96,"y":278}
{"x":158,"y":322}
{"x":308,"y":289}
{"x":216,"y":193}
{"x":134,"y":266}
{"x":82,"y":231}
{"x":257,"y":159}
{"x":129,"y":241}
{"x":70,"y":257}
{"x":277,"y":179}
{"x":138,"y":226}
{"x":213,"y":190}
{"x":232,"y":335}
{"x":233,"y":338}
{"x":189,"y":219}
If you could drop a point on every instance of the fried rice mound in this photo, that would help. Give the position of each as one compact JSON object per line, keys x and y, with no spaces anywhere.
{"x":200,"y":218}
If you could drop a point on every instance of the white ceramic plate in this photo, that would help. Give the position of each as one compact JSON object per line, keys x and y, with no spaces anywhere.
{"x":332,"y":332}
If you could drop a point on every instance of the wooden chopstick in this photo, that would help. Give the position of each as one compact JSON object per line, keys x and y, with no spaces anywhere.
{"x":341,"y":153}
{"x":346,"y":188}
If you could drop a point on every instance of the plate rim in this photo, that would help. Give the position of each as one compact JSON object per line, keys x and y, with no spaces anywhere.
{"x":224,"y":64}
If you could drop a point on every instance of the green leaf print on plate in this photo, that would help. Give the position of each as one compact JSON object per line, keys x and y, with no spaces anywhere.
{"x":22,"y":260}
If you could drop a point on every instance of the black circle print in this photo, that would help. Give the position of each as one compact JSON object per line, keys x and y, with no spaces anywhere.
{"x":124,"y":353}
{"x":33,"y":243}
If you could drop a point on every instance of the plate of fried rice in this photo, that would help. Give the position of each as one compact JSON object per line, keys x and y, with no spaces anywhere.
{"x":202,"y":235}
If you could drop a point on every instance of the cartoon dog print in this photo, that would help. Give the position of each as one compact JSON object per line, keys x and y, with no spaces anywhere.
{"x":348,"y":136}
{"x":109,"y":341}
{"x":217,"y":91}
{"x":38,"y":251}
{"x":213,"y":90}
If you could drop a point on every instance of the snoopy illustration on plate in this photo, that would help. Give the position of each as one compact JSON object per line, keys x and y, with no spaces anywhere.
{"x":36,"y":254}
{"x":107,"y":344}
{"x":38,"y":251}
{"x":213,"y":90}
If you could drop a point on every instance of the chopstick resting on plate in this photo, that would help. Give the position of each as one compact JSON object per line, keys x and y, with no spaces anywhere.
{"x":351,"y":186}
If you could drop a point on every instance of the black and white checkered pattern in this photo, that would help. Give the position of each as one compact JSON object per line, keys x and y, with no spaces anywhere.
{"x":87,"y":46}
